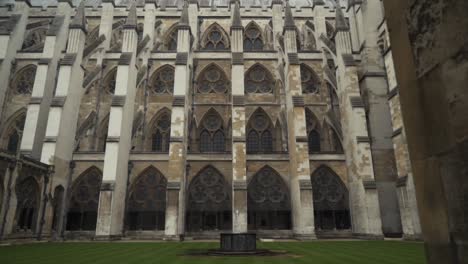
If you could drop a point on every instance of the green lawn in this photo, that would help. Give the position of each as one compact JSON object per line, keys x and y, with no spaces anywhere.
{"x":322,"y":252}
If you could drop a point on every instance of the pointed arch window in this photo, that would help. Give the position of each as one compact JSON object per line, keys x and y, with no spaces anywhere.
{"x":331,"y":202}
{"x":253,"y":38}
{"x":212,"y":135}
{"x":13,"y":136}
{"x":313,"y":134}
{"x":171,"y":39}
{"x":161,"y":133}
{"x":146,"y":206}
{"x":268,"y":201}
{"x":213,"y":80}
{"x":110,"y":81}
{"x":260,"y":137}
{"x":309,"y":80}
{"x":84,"y":201}
{"x":215,"y":38}
{"x":24,"y":81}
{"x":162,"y":81}
{"x":27,"y":193}
{"x":209,"y":202}
{"x":258,"y":80}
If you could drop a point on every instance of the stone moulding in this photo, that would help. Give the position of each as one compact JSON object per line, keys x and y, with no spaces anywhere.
{"x":356,"y":102}
{"x":293,"y":59}
{"x":50,"y":139}
{"x":402,"y":181}
{"x":44,"y":61}
{"x":35,"y":100}
{"x":348,"y":60}
{"x":173,"y":185}
{"x":298,"y":101}
{"x":238,"y":100}
{"x":369,"y":184}
{"x":305,"y":184}
{"x":392,"y":93}
{"x":58,"y":101}
{"x":7,"y":26}
{"x":107,"y":186}
{"x":114,"y":139}
{"x":37,"y":24}
{"x":239,"y":185}
{"x":181,"y":58}
{"x":177,"y":139}
{"x":125,"y":58}
{"x":118,"y":100}
{"x":238,"y":139}
{"x":363,"y":139}
{"x":178,"y":100}
{"x":301,"y":139}
{"x":397,"y":132}
{"x":237,"y":58}
{"x":69,"y":59}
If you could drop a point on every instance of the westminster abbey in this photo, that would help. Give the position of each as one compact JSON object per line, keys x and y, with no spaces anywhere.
{"x":183,"y":119}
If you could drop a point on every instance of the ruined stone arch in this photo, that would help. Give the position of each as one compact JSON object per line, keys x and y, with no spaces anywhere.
{"x":331,"y":200}
{"x":268,"y":201}
{"x":314,"y":131}
{"x":23,"y":80}
{"x":12,"y":132}
{"x":146,"y":203}
{"x":262,"y":135}
{"x":170,"y":38}
{"x":253,"y":37}
{"x":310,"y":82}
{"x":84,"y":200}
{"x":258,"y":79}
{"x":159,"y":131}
{"x":209,"y":201}
{"x":162,"y":80}
{"x":215,"y":38}
{"x":34,"y":39}
{"x":28,"y":203}
{"x":213,"y":79}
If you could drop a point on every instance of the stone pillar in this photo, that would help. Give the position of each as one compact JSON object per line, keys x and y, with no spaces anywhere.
{"x":11,"y":38}
{"x":319,"y":21}
{"x":8,"y":209}
{"x":352,"y":8}
{"x":374,"y":88}
{"x":299,"y":167}
{"x":277,"y":20}
{"x":62,"y":120}
{"x":239,"y":164}
{"x":114,"y":183}
{"x":363,"y":196}
{"x":175,"y":204}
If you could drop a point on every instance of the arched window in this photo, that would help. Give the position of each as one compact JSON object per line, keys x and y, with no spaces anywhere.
{"x":260,"y":137}
{"x":12,"y":135}
{"x":215,"y":38}
{"x":146,"y":206}
{"x":253,"y":38}
{"x":213,"y":80}
{"x":161,"y":133}
{"x":109,"y":81}
{"x":268,"y":201}
{"x":84,"y":201}
{"x":212,"y":137}
{"x":35,"y":39}
{"x":258,"y":80}
{"x":309,"y":80}
{"x":162,"y":81}
{"x":331,"y":204}
{"x":24,"y":81}
{"x":313,"y":135}
{"x":27,"y":193}
{"x":209,"y":202}
{"x":171,"y":38}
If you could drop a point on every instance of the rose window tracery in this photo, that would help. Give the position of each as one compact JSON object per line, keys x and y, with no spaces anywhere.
{"x":213,"y":80}
{"x":258,"y":80}
{"x":163,"y":80}
{"x":309,"y":80}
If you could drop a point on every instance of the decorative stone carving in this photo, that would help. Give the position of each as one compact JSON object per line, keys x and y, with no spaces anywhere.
{"x":212,"y":80}
{"x":258,"y":80}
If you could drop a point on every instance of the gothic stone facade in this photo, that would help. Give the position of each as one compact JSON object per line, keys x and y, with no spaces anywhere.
{"x":155,"y":121}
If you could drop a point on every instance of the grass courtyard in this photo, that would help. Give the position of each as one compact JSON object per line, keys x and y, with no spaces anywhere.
{"x":322,"y":252}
